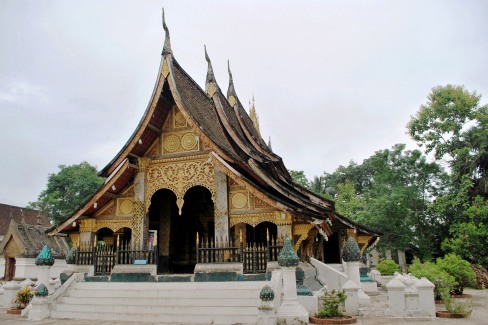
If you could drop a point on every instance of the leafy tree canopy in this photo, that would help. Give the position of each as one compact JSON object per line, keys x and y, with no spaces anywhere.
{"x":67,"y":190}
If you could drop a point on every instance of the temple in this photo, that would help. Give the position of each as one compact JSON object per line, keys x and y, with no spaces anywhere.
{"x":196,"y":184}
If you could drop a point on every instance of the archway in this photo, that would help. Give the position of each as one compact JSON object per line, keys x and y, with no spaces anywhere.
{"x":259,"y":234}
{"x":162,"y":211}
{"x":105,"y":236}
{"x":197,"y":216}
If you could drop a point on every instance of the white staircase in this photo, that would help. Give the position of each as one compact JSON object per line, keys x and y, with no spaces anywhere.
{"x":176,"y":302}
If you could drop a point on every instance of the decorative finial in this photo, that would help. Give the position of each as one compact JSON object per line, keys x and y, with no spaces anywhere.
{"x":23,"y":216}
{"x":39,"y":218}
{"x":351,"y":251}
{"x":231,"y":92}
{"x":287,"y":256}
{"x":44,"y":257}
{"x":167,"y":42}
{"x":210,"y":84}
{"x":269,"y":144}
{"x":254,"y":116}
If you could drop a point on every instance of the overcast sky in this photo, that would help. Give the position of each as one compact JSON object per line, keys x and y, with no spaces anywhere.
{"x":333,"y":81}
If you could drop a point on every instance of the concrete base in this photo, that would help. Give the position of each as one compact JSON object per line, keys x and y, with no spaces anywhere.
{"x":218,"y":272}
{"x":40,"y":309}
{"x":150,"y":269}
{"x":363,"y":299}
{"x":292,"y":312}
{"x":310,"y":303}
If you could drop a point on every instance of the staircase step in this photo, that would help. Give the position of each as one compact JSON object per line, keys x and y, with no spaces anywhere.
{"x":159,"y":310}
{"x":158,"y":318}
{"x":172,"y":301}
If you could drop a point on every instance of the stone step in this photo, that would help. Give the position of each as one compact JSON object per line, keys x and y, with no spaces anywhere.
{"x":159,"y":318}
{"x":189,"y":294}
{"x":173,"y":301}
{"x":159,"y":309}
{"x":156,"y":286}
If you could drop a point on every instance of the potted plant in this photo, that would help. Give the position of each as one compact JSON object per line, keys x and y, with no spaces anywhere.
{"x":332,"y":309}
{"x":453,"y":310}
{"x":24,"y":296}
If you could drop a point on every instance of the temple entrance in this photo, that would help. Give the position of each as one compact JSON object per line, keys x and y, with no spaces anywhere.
{"x":176,"y":234}
{"x":332,"y":252}
{"x":259,"y":234}
{"x":9,"y":269}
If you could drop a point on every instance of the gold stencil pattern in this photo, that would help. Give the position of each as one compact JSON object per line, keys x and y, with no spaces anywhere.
{"x":239,"y":200}
{"x":138,"y":217}
{"x":171,"y":143}
{"x":189,"y":141}
{"x":180,"y":121}
{"x":179,"y":175}
{"x":124,"y":206}
{"x":260,"y":204}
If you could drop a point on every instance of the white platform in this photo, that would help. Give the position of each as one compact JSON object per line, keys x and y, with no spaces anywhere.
{"x":184,"y":302}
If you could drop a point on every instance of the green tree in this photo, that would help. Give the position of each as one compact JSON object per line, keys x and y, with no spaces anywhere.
{"x":67,"y":190}
{"x":348,"y":202}
{"x":299,"y":177}
{"x":454,"y":126}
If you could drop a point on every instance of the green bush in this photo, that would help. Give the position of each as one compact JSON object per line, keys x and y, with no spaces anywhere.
{"x":333,"y":303}
{"x":459,"y":269}
{"x":387,"y":267}
{"x":440,"y":278}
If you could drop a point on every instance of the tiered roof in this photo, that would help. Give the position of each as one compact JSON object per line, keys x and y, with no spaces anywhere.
{"x":227,"y":130}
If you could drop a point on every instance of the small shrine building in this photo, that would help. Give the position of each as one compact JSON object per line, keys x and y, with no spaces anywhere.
{"x":196,"y":170}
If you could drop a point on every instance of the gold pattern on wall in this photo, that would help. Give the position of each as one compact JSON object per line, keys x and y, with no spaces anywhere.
{"x":254,"y":219}
{"x":138,"y":217}
{"x":154,"y":150}
{"x":113,"y":225}
{"x":88,"y":225}
{"x":182,"y":141}
{"x":107,"y":210}
{"x":211,"y":89}
{"x":301,"y":230}
{"x":143,"y":163}
{"x":363,"y":240}
{"x":232,"y":101}
{"x":124,"y":206}
{"x":240,"y":200}
{"x":75,"y":239}
{"x":179,"y":119}
{"x":260,"y":204}
{"x":179,"y":175}
{"x":165,"y":68}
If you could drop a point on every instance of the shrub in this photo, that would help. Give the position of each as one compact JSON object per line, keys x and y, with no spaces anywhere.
{"x":333,"y":302}
{"x":387,"y":267}
{"x":459,"y":269}
{"x":440,"y":278}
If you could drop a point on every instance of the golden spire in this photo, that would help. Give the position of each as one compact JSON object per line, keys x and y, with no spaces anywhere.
{"x":254,"y":116}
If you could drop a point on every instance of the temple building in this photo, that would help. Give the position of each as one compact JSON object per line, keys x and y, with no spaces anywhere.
{"x":196,"y":173}
{"x":22,"y":237}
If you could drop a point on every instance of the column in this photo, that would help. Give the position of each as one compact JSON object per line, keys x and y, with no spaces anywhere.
{"x":221,"y":209}
{"x":140,"y":223}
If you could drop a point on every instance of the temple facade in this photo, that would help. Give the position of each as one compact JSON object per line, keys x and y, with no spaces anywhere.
{"x":196,"y":173}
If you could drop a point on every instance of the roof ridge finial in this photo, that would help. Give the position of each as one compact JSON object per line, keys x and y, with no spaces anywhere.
{"x":210,"y":84}
{"x":269,"y":144}
{"x":23,"y":216}
{"x":167,"y":41}
{"x":231,"y":92}
{"x":254,"y":116}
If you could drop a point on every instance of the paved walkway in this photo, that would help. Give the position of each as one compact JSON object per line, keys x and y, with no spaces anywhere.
{"x":479,"y":303}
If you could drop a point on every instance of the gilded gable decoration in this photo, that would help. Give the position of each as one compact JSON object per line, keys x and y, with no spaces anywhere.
{"x":125,"y":206}
{"x":179,"y":119}
{"x":179,"y":175}
{"x":180,"y":142}
{"x":240,"y":200}
{"x":107,"y":210}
